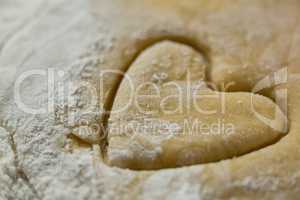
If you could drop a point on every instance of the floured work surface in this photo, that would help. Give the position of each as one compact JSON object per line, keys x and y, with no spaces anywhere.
{"x":50,"y":144}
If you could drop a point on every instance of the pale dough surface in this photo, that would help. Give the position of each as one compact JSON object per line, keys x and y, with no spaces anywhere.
{"x":160,"y":101}
{"x":46,"y":157}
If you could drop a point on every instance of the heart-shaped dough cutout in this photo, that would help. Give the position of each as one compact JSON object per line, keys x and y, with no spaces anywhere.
{"x":165,"y":116}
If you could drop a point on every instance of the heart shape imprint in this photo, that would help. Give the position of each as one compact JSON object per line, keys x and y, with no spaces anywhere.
{"x":164,"y":114}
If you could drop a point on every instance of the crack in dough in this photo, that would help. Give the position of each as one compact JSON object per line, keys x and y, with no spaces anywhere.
{"x":19,"y":174}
